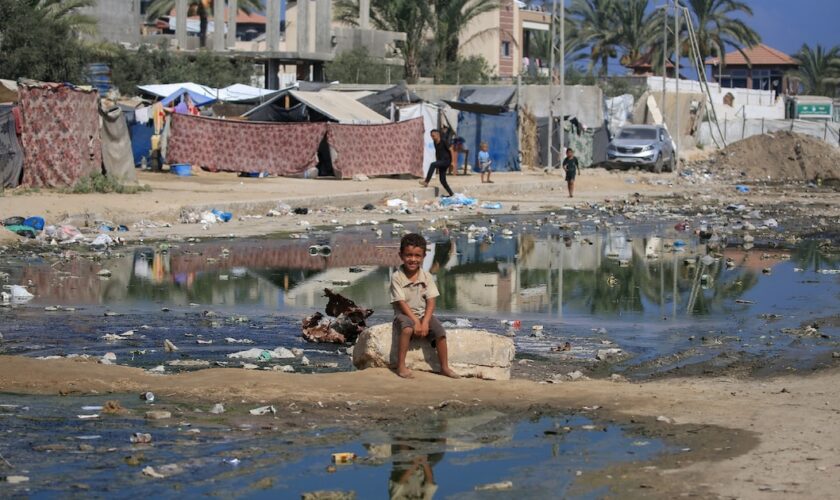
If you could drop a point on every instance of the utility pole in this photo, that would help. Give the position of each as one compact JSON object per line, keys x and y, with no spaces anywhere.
{"x":551,"y":85}
{"x":664,"y":53}
{"x":678,"y":12}
{"x":562,"y":78}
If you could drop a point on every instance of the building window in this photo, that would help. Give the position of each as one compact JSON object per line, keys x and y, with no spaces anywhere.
{"x":505,"y":49}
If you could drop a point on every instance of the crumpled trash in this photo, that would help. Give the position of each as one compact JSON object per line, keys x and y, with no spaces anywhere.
{"x":36,"y":223}
{"x":458,"y":323}
{"x":13,"y":221}
{"x":457,"y":200}
{"x":262,"y":354}
{"x":263,"y":410}
{"x":396,"y":203}
{"x":222,"y":216}
{"x":16,"y":294}
{"x":491,"y":206}
{"x":742,"y":189}
{"x":102,"y":241}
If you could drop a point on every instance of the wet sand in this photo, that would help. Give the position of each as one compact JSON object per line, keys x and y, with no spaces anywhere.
{"x":747,"y":438}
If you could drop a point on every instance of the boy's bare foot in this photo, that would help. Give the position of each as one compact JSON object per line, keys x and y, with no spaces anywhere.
{"x":449,"y":373}
{"x":424,"y":184}
{"x":405,"y":373}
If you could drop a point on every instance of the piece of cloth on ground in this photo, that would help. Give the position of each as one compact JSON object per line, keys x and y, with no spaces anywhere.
{"x":240,"y":146}
{"x":117,"y":157}
{"x":60,"y":134}
{"x":11,"y":154}
{"x":393,"y":148}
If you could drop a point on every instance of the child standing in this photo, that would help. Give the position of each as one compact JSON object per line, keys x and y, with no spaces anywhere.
{"x":413,"y":294}
{"x":484,"y":162}
{"x":572,"y":167}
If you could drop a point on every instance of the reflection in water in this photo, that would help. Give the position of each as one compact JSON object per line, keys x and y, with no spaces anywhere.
{"x":601,"y":274}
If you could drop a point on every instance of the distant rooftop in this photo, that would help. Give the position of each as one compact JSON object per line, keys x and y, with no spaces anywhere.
{"x":759,"y":55}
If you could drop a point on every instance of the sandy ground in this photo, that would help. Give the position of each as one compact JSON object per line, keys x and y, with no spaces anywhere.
{"x":748,"y":438}
{"x":531,"y":191}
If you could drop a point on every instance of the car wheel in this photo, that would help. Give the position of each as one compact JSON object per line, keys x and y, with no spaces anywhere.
{"x":672,"y":163}
{"x":657,"y":167}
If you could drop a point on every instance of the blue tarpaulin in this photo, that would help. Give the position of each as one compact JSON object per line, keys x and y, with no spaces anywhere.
{"x":498,"y":131}
{"x":197,"y":99}
{"x":141,"y":141}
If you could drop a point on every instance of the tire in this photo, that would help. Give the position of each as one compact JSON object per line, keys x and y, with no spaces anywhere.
{"x":657,"y":167}
{"x":672,"y":164}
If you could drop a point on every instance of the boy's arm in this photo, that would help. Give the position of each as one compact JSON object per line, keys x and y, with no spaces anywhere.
{"x":430,"y":309}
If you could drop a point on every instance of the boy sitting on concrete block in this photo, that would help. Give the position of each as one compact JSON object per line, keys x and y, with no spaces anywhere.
{"x":413,"y":293}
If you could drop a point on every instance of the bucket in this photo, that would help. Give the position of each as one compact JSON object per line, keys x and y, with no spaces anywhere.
{"x":182,"y":169}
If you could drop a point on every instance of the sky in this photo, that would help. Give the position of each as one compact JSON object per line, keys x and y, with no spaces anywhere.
{"x":787,"y":24}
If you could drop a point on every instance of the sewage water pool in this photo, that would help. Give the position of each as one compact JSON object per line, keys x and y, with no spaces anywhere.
{"x":446,"y":456}
{"x":665,"y":304}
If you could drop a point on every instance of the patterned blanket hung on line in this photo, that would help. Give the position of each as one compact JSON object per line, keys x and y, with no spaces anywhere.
{"x":239,"y":146}
{"x":291,"y":148}
{"x":392,"y":148}
{"x":60,"y":134}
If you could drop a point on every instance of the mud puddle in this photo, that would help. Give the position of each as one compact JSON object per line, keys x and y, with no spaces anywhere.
{"x":62,"y":449}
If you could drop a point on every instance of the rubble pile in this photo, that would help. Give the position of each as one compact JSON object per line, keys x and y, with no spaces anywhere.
{"x":779,"y":156}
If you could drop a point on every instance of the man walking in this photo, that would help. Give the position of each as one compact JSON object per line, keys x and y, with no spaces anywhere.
{"x":443,"y":160}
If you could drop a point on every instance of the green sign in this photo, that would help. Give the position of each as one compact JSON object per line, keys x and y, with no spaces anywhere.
{"x":813,"y":109}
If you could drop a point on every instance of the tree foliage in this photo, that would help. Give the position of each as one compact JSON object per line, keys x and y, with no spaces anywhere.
{"x":718,"y":29}
{"x":819,"y":69}
{"x":150,"y":65}
{"x":446,"y":20}
{"x":38,"y":44}
{"x":357,"y":66}
{"x":631,"y":29}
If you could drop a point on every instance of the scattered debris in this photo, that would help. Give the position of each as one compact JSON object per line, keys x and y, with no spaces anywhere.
{"x":348,"y":324}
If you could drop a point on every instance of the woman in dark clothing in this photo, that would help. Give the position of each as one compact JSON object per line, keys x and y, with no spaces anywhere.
{"x":443,"y":160}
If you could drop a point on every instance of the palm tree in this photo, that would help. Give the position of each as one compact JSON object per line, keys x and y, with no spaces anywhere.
{"x":717,"y":29}
{"x":203,"y":8}
{"x":597,"y":28}
{"x":68,"y":13}
{"x":411,"y":17}
{"x":819,"y":69}
{"x":451,"y":17}
{"x":638,"y":29}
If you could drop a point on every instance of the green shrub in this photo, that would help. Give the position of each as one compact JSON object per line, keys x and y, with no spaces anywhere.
{"x":98,"y":183}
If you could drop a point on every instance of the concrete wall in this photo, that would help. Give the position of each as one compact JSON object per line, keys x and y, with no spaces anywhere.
{"x":118,"y":21}
{"x":747,"y":102}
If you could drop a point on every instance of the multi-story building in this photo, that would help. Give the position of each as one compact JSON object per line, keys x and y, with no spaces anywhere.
{"x":504,"y":38}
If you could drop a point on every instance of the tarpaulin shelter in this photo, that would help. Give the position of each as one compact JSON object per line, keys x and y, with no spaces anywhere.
{"x":197,"y":99}
{"x":233,"y":93}
{"x":116,"y":144}
{"x":11,"y":154}
{"x":60,"y":134}
{"x":485,"y":116}
{"x":429,"y":113}
{"x":589,"y":144}
{"x":382,"y":101}
{"x":8,"y":91}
